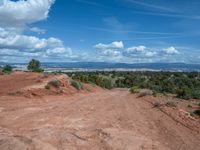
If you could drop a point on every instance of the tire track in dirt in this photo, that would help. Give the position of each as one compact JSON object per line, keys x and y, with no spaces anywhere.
{"x":101,"y":120}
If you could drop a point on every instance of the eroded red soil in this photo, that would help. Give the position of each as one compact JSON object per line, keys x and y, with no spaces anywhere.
{"x":97,"y":120}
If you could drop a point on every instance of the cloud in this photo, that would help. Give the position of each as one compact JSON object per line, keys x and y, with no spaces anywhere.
{"x":152,"y":6}
{"x":171,"y":50}
{"x":151,"y":54}
{"x":59,"y":51}
{"x":111,"y":53}
{"x":138,"y":54}
{"x":21,"y":13}
{"x":112,"y":46}
{"x":139,"y":51}
{"x":19,"y":45}
{"x":89,"y":2}
{"x":110,"y":50}
{"x":117,"y":52}
{"x":38,"y":30}
{"x":173,"y":15}
{"x":12,"y":40}
{"x":136,"y":49}
{"x":15,"y":17}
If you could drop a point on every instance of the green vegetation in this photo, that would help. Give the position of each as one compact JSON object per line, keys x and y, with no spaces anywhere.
{"x":144,"y":92}
{"x":48,"y":87}
{"x":34,"y":65}
{"x":134,"y":89}
{"x":197,"y":112}
{"x":104,"y":81}
{"x":76,"y":84}
{"x":7,"y":69}
{"x":185,"y":85}
{"x":54,"y":83}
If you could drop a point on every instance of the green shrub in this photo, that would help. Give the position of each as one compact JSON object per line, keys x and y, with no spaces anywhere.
{"x":7,"y":69}
{"x":34,"y":65}
{"x":196,"y":94}
{"x":197,"y":112}
{"x":54,"y":83}
{"x":134,"y":89}
{"x":184,"y":92}
{"x":156,"y":104}
{"x":106,"y":83}
{"x":39,"y":70}
{"x":185,"y":85}
{"x":144,"y":92}
{"x":76,"y":84}
{"x":48,"y":87}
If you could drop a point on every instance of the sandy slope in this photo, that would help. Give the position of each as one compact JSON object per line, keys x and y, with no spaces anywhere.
{"x":101,"y":120}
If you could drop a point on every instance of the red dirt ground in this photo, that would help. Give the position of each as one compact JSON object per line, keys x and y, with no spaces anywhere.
{"x":97,"y":120}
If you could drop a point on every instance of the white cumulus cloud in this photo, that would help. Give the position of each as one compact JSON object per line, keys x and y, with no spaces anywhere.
{"x":38,"y":30}
{"x":113,"y":45}
{"x":111,"y":50}
{"x":171,"y":50}
{"x":136,"y":49}
{"x":15,"y":17}
{"x":23,"y":12}
{"x":12,"y":40}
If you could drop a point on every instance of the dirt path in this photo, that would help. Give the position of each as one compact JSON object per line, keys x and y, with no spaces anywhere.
{"x":102,"y":120}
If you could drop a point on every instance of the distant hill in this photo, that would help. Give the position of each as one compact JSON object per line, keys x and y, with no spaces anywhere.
{"x":106,"y":65}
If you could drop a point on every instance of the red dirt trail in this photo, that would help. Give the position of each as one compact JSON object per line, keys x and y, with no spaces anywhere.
{"x":102,"y":120}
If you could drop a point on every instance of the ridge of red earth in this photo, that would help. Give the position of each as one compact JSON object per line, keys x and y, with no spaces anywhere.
{"x":89,"y":119}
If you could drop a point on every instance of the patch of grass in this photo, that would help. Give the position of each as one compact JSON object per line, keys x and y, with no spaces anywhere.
{"x":54,"y":83}
{"x":78,"y":85}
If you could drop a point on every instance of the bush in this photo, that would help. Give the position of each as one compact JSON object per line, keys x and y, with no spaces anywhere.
{"x":134,"y":89}
{"x":156,"y":104}
{"x":54,"y":83}
{"x":34,"y":65}
{"x":171,"y":103}
{"x":185,"y":93}
{"x":76,"y":84}
{"x":197,"y":112}
{"x":196,"y":94}
{"x":185,"y":85}
{"x":48,"y":87}
{"x":144,"y":92}
{"x":105,"y":82}
{"x":7,"y":69}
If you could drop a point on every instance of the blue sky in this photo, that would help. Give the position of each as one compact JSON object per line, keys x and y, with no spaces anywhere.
{"x":131,"y":31}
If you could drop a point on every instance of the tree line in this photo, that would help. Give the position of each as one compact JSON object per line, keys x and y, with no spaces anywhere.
{"x":184,"y":85}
